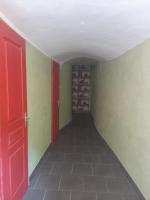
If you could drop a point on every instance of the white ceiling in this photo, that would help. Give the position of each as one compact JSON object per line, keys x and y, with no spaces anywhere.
{"x":66,"y":29}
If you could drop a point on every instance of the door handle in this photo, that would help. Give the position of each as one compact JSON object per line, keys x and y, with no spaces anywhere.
{"x":26,"y":120}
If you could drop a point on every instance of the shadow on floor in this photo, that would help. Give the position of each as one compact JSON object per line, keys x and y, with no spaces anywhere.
{"x":80,"y":166}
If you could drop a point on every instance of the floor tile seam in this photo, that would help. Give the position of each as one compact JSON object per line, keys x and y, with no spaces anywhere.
{"x":92,"y":169}
{"x":109,"y":176}
{"x":51,"y":170}
{"x":121,"y":195}
{"x":106,"y":184}
{"x":70,"y":196}
{"x":36,"y":182}
{"x":72,"y":169}
{"x":83,"y":182}
{"x":59,"y":185}
{"x":96,"y":196}
{"x":44,"y":196}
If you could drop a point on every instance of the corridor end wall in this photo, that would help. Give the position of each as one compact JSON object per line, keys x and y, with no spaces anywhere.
{"x":39,"y":104}
{"x":121,"y":110}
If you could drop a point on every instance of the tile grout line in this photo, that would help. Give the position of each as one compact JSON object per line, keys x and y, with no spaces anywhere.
{"x":70,"y":195}
{"x":83,"y":189}
{"x":122,"y":197}
{"x":44,"y":195}
{"x":96,"y":196}
{"x":72,"y":168}
{"x":51,"y":170}
{"x":59,"y":183}
{"x":92,"y":169}
{"x":107,"y":189}
{"x":36,"y":182}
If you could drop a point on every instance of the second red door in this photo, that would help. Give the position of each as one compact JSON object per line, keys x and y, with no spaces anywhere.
{"x":55,"y":100}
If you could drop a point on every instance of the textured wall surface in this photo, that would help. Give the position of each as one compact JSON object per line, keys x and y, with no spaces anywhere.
{"x":65,"y":109}
{"x":39,"y":104}
{"x":121,"y":110}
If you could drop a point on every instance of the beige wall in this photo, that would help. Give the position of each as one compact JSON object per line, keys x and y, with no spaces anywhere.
{"x":121,"y":111}
{"x":39,"y":101}
{"x":65,"y":110}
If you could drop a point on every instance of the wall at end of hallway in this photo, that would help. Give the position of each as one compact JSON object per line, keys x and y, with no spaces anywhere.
{"x":65,"y":109}
{"x":39,"y":104}
{"x":121,"y":110}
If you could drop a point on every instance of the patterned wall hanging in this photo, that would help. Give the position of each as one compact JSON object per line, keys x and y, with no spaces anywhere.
{"x":81,"y":88}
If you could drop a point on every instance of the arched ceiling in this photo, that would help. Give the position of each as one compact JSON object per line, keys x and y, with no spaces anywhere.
{"x":66,"y":29}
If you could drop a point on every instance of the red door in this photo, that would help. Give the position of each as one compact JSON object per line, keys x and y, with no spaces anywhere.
{"x":13,"y":132}
{"x":55,"y":100}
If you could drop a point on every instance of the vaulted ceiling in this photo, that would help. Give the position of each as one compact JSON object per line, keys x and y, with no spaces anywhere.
{"x":66,"y":29}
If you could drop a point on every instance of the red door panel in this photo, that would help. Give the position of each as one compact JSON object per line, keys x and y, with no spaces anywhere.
{"x":13,"y":133}
{"x":55,"y":100}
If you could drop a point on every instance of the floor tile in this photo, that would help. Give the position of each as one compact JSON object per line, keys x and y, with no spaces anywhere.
{"x":116,"y":185}
{"x":108,"y":170}
{"x":109,"y":196}
{"x":54,"y":157}
{"x":34,"y":194}
{"x":83,"y":196}
{"x":81,"y":149}
{"x":33,"y":180}
{"x":108,"y":158}
{"x":103,"y":170}
{"x":49,"y":182}
{"x":62,"y":168}
{"x":82,"y":169}
{"x":93,"y":159}
{"x":71,"y":182}
{"x":93,"y":183}
{"x":131,"y":197}
{"x":45,"y":168}
{"x":74,"y":157}
{"x":57,"y":195}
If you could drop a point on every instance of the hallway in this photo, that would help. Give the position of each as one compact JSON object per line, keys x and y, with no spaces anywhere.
{"x":80,"y":166}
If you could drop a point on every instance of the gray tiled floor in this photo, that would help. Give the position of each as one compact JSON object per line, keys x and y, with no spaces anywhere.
{"x":80,"y":166}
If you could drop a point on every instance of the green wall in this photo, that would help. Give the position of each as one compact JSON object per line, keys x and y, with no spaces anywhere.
{"x":39,"y":101}
{"x":121,"y":110}
{"x":65,"y":110}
